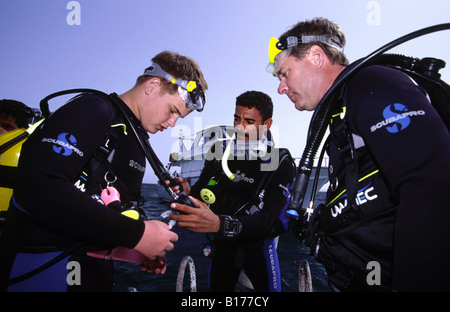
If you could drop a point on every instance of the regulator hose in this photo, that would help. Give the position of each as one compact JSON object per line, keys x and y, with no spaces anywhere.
{"x":322,"y":114}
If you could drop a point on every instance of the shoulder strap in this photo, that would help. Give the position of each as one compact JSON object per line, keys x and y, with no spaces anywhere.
{"x":343,"y":139}
{"x":92,"y":178}
{"x":100,"y":163}
{"x":284,"y":155}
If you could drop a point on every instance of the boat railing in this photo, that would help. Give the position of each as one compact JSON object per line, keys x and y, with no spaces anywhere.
{"x":325,"y":162}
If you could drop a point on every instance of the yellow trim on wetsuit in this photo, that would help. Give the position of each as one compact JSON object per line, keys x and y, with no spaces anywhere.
{"x":345,"y":190}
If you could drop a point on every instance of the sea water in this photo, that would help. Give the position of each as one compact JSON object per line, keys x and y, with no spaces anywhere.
{"x":130,"y":278}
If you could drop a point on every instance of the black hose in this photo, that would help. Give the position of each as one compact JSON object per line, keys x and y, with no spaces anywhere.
{"x":4,"y":147}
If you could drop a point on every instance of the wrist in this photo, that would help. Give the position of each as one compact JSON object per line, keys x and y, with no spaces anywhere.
{"x":217,"y":224}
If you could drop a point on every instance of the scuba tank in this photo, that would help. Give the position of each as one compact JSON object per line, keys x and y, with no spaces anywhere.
{"x":10,"y":148}
{"x":8,"y":161}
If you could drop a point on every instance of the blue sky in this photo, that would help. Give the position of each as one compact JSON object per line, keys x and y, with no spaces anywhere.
{"x":115,"y":40}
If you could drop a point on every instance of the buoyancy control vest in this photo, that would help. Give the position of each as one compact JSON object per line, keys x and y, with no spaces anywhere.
{"x":361,"y":174}
{"x":358,"y":193}
{"x":25,"y":234}
{"x":357,"y":189}
{"x":246,"y":196}
{"x":357,"y":196}
{"x":98,"y":173}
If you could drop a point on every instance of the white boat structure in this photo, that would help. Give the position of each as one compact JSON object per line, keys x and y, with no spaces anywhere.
{"x":193,"y":149}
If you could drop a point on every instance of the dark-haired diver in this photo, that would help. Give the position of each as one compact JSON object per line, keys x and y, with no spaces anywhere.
{"x":14,"y":115}
{"x":247,"y":190}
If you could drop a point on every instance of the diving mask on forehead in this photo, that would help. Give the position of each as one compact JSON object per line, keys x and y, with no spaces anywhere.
{"x":189,"y":91}
{"x":277,"y":46}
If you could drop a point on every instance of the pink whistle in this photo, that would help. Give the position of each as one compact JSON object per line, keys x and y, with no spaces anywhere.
{"x":109,"y":195}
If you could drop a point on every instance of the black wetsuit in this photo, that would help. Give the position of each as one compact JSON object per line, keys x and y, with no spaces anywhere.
{"x":49,"y":213}
{"x":254,"y":248}
{"x":401,"y":212}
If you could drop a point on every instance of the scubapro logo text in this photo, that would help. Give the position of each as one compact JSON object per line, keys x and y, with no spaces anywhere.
{"x":64,"y":145}
{"x":134,"y":164}
{"x":397,"y":118}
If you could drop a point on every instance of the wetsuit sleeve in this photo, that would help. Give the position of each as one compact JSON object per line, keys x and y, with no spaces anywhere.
{"x":275,"y":200}
{"x":52,"y":159}
{"x":411,"y":146}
